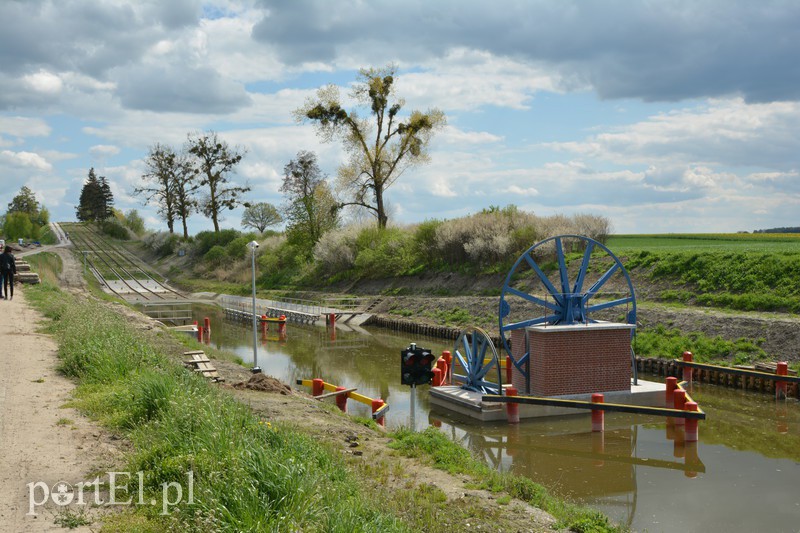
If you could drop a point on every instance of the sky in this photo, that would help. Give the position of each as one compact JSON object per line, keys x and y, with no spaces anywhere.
{"x":667,"y":116}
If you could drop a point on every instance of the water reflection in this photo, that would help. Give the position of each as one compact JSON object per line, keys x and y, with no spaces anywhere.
{"x":640,"y":471}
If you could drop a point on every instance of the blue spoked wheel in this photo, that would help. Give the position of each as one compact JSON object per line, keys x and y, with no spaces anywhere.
{"x":598,"y":288}
{"x":476,"y":363}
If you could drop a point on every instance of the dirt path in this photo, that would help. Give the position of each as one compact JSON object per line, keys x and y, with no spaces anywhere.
{"x":40,"y":439}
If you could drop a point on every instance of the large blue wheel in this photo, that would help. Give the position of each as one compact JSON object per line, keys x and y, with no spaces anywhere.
{"x":476,"y":363}
{"x":598,"y":288}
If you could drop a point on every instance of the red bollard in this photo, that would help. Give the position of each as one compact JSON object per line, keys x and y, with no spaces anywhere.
{"x":512,"y":408}
{"x":341,"y":400}
{"x":199,"y":333}
{"x":509,"y":367}
{"x":332,"y":320}
{"x":436,"y":381}
{"x":442,"y":366}
{"x":688,"y":357}
{"x":679,"y":397}
{"x":672,"y":384}
{"x":448,"y":358}
{"x":207,"y":325}
{"x":782,"y":369}
{"x":264,"y":325}
{"x":598,"y":415}
{"x":317,"y":386}
{"x":376,"y":405}
{"x":282,"y":325}
{"x":691,"y":423}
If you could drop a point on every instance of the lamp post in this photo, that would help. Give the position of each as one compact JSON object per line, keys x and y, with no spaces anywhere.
{"x":256,"y":370}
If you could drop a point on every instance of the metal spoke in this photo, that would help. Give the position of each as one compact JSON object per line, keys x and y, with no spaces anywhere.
{"x":606,"y":305}
{"x":605,"y":277}
{"x":532,"y":322}
{"x":533,"y":299}
{"x":544,"y":279}
{"x":584,"y":267}
{"x":562,"y":267}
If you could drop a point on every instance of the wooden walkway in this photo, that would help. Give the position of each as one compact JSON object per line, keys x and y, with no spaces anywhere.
{"x":200,"y":363}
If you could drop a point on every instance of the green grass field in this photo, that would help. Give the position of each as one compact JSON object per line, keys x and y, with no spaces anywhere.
{"x":692,"y":242}
{"x":746,"y":272}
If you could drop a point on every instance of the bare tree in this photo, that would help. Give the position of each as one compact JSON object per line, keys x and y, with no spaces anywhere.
{"x":158,"y":183}
{"x":380,"y":149}
{"x":215,"y":161}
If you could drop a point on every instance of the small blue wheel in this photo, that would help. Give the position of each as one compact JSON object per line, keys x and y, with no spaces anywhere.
{"x":475,"y":363}
{"x":598,"y":288}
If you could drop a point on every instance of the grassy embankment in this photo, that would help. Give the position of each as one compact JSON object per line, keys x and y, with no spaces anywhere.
{"x":248,"y":473}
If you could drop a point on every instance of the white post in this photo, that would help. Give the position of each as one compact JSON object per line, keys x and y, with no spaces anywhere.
{"x":256,"y":370}
{"x":413,"y":408}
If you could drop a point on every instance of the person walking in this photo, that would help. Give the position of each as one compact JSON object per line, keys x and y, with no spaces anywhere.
{"x":8,"y":267}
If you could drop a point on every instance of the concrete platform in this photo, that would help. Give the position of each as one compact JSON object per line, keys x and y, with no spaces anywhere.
{"x":455,"y":399}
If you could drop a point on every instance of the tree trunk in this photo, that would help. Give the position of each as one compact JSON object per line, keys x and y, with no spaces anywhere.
{"x":185,"y":230}
{"x":212,"y":199}
{"x":380,"y":210}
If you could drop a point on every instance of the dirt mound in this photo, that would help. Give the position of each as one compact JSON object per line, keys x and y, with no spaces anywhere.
{"x":264,"y":383}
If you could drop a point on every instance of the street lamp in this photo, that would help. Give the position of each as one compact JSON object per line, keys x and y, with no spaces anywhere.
{"x":256,"y":370}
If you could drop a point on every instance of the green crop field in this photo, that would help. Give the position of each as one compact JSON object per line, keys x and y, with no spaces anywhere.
{"x":742,"y":271}
{"x":694,"y":242}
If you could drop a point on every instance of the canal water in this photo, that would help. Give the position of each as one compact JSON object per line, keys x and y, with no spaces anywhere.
{"x":742,"y":475}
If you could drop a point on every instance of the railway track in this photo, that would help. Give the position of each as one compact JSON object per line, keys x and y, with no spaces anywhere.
{"x":118,"y":270}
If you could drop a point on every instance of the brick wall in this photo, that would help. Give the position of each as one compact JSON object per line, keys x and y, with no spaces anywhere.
{"x":574,"y":360}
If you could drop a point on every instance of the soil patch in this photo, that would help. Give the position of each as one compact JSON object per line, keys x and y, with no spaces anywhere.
{"x":264,"y":383}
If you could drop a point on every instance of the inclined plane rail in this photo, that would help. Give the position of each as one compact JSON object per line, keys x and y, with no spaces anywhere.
{"x":83,"y":238}
{"x":91,"y":246}
{"x":131,"y":259}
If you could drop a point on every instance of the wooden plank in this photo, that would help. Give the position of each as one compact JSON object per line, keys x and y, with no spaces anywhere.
{"x":772,"y":368}
{"x":195,"y":361}
{"x":334,"y":393}
{"x":194,"y":352}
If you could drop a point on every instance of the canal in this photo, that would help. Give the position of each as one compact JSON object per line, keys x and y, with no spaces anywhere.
{"x":741,"y":476}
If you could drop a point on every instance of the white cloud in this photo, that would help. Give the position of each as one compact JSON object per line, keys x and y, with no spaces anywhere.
{"x":43,"y":82}
{"x":517,"y":190}
{"x":24,"y":160}
{"x":454,"y":136}
{"x":470,"y":79}
{"x":24,"y":126}
{"x":103,"y":150}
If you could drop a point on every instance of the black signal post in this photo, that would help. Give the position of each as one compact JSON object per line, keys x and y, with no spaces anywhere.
{"x":415,"y":369}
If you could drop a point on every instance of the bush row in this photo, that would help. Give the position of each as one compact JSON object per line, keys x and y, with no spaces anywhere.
{"x":486,"y":241}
